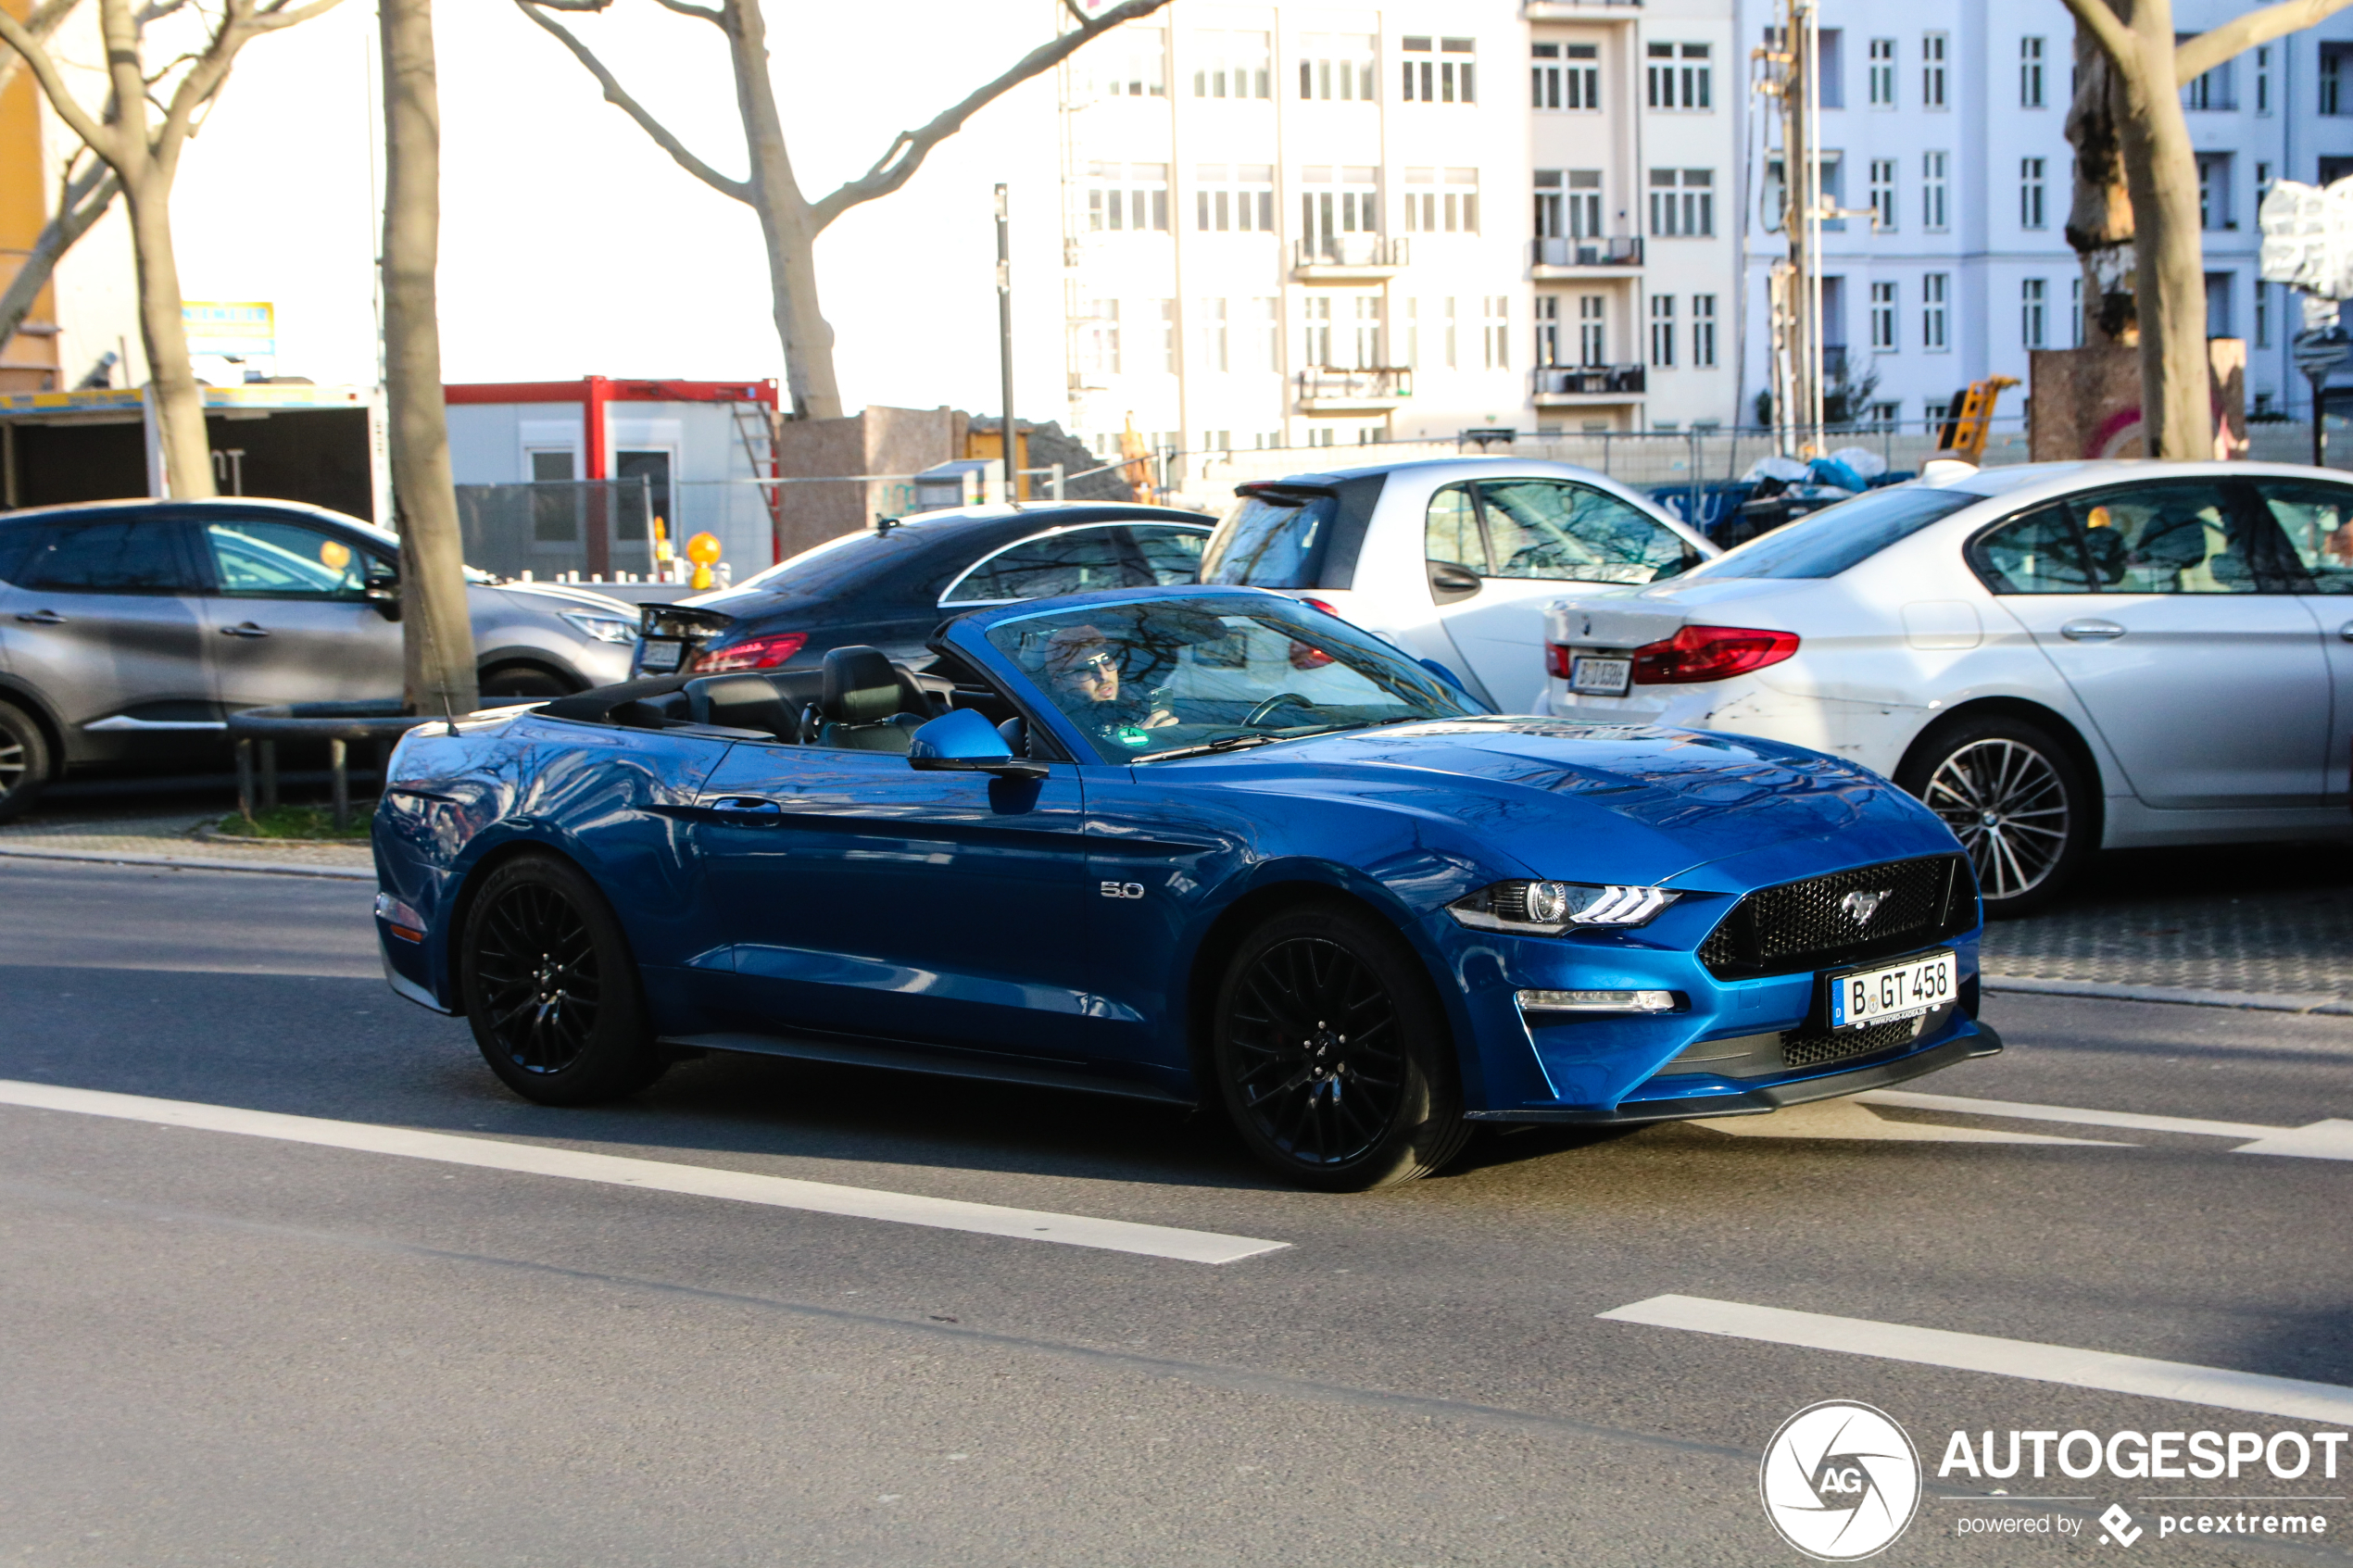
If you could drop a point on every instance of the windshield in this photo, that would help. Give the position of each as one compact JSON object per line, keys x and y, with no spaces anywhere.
{"x":1826,"y":543}
{"x":1167,"y":677}
{"x":1271,"y":541}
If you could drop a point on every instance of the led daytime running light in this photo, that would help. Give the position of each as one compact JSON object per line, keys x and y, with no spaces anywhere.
{"x":1596,"y":1001}
{"x":1553,"y":907}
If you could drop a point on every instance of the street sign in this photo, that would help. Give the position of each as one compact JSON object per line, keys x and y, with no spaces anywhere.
{"x":2322,"y":350}
{"x":236,"y":328}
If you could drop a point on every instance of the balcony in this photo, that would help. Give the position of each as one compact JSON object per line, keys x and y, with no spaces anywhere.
{"x":1333,"y":391}
{"x":1566,"y":386}
{"x":1567,"y":256}
{"x":1332,"y":257}
{"x":1579,"y":11}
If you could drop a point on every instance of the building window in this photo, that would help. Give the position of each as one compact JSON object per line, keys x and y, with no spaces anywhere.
{"x":1317,"y":340}
{"x":1121,"y":196}
{"x":1238,"y":197}
{"x":1830,"y":83}
{"x":1883,"y":317}
{"x":1682,"y":202}
{"x":1548,"y":329}
{"x":1452,"y":209}
{"x":2332,"y":75}
{"x":1933,"y":286}
{"x":1704,"y":332}
{"x":1446,"y":79}
{"x":1451,"y":357}
{"x":2214,"y":191}
{"x":1098,"y":338}
{"x":1552,"y":217}
{"x":1663,"y":331}
{"x":2029,"y":193}
{"x":2217,"y":305}
{"x":2030,"y":73}
{"x":2262,"y":314}
{"x":1129,"y":64}
{"x":1211,"y":316}
{"x":1593,"y":329}
{"x":2216,"y":90}
{"x":1499,"y":325}
{"x":1932,"y":46}
{"x":1567,"y":76}
{"x":1232,"y":65}
{"x":1368,"y":355}
{"x":2075,"y":311}
{"x":1883,"y":195}
{"x":1337,"y":64}
{"x":1881,"y":416}
{"x":1584,"y":203}
{"x":1882,"y":73}
{"x":1269,"y":321}
{"x":1935,"y":188}
{"x":1334,"y":201}
{"x":1680,"y":77}
{"x":1168,"y":310}
{"x":2032,"y":308}
{"x":2263,"y":79}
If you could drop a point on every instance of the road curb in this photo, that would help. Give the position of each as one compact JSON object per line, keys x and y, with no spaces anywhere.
{"x":192,"y":863}
{"x":2260,"y":1001}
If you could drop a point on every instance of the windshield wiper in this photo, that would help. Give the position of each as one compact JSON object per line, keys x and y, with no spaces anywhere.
{"x":1223,"y":743}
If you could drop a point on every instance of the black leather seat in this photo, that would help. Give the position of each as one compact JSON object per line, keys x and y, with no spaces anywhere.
{"x":866,"y":704}
{"x":741,"y":702}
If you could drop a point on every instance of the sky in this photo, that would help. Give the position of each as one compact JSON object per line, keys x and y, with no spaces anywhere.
{"x":572,"y":245}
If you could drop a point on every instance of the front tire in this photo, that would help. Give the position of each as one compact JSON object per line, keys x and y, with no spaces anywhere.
{"x":24,"y":761}
{"x":524,"y":683}
{"x":1332,"y":1054}
{"x":551,"y":989}
{"x":2016,"y":800}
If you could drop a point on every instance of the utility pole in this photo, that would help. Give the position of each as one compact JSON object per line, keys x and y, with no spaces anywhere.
{"x":1005,"y":348}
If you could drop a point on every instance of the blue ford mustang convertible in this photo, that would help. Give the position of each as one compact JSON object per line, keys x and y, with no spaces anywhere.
{"x":1191,"y":845}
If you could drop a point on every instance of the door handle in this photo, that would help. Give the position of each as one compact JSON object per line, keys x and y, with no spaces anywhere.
{"x":51,"y":618}
{"x":245,"y":629}
{"x":749,"y":806}
{"x":2344,"y":631}
{"x":2091,"y":630}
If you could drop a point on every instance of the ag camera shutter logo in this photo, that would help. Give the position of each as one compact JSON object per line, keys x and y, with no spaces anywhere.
{"x":1840,"y":1481}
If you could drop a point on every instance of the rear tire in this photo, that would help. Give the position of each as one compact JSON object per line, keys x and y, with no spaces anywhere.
{"x":24,"y":761}
{"x":551,"y":989}
{"x":2013,"y":795}
{"x":524,"y":683}
{"x":1333,"y":1055}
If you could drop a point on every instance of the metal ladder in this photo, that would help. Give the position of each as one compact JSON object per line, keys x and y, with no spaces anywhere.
{"x":756,"y":428}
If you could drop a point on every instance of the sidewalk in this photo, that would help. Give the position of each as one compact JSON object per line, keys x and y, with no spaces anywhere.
{"x":171,"y":837}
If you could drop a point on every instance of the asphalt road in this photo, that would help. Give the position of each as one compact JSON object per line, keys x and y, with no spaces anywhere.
{"x":234,"y":1347}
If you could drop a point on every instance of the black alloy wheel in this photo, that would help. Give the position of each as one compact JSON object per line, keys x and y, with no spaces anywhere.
{"x":24,"y":761}
{"x":2015,"y":799}
{"x":1333,"y":1055}
{"x":551,"y":989}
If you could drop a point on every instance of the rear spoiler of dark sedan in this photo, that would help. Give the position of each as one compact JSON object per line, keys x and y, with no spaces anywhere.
{"x":688,"y":625}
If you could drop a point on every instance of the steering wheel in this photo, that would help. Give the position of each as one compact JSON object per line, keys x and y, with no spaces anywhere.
{"x":1267,"y":709}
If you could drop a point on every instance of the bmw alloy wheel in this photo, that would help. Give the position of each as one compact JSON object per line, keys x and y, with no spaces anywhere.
{"x":2008,"y":804}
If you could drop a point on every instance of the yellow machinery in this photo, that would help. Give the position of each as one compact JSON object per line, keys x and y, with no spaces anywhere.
{"x":1970,"y":417}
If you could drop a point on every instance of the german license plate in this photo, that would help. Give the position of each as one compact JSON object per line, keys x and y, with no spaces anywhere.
{"x":1881,"y":996}
{"x":1601,"y":677}
{"x":658,"y":656}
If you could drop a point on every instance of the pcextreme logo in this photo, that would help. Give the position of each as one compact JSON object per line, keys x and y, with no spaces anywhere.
{"x":1840,"y":1481}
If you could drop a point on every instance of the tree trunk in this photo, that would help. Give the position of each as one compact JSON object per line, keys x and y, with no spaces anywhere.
{"x":437,"y":643}
{"x":2177,"y":413}
{"x":785,"y":223}
{"x":187,"y":451}
{"x":2099,"y":218}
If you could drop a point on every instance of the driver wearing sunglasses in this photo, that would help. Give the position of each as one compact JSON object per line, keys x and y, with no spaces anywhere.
{"x":1082,"y":668}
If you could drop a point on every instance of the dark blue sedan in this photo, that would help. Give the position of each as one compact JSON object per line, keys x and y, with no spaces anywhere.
{"x":1193,"y":845}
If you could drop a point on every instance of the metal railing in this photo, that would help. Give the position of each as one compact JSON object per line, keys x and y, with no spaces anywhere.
{"x":1588,"y":380}
{"x":597,"y":528}
{"x":1559,"y":250}
{"x":1332,"y":384}
{"x":1350,"y":250}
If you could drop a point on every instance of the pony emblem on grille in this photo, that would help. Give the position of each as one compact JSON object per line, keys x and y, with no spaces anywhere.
{"x":1861,"y":907}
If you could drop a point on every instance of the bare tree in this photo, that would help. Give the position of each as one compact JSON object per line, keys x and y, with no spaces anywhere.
{"x":86,"y":189}
{"x":789,"y":222}
{"x":2127,"y":120}
{"x":436,"y":634}
{"x":139,"y":135}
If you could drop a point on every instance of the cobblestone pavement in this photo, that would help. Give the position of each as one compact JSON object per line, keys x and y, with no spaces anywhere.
{"x":167,"y":833}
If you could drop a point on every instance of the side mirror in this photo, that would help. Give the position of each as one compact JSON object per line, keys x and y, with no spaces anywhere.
{"x":963,"y":742}
{"x":384,"y":594}
{"x":1449,"y":581}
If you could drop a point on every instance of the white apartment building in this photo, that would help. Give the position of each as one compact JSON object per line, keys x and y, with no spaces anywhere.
{"x":1294,"y":226}
{"x":1947,"y":117}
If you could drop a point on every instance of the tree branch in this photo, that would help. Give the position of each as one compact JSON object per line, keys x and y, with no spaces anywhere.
{"x":2116,"y":39}
{"x":714,"y":18}
{"x":85,"y":201}
{"x":908,"y":150}
{"x":740,"y":190}
{"x":2238,"y":35}
{"x":98,"y":138}
{"x":45,"y":20}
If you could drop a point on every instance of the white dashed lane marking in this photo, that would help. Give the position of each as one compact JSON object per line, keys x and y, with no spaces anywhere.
{"x":652,"y":1175}
{"x":2329,"y":1139}
{"x":2291,"y":1397}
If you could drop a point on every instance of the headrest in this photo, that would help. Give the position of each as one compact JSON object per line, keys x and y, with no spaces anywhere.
{"x":740,"y":702}
{"x":860,"y":686}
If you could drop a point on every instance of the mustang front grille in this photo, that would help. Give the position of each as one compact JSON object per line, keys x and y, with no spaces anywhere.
{"x":1844,"y":917}
{"x":1802,"y":1049}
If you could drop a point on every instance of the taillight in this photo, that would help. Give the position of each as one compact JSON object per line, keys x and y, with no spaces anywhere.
{"x":752,"y":653}
{"x":1557,"y":659}
{"x":1709,"y":653}
{"x":1319,"y":603}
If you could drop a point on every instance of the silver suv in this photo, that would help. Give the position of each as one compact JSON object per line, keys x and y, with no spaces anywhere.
{"x":129,"y":629}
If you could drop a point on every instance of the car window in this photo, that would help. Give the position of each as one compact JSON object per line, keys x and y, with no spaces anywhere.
{"x":1548,"y":528}
{"x":1271,"y":540}
{"x":120,"y":556}
{"x":1055,"y":563}
{"x":1826,"y":543}
{"x":1172,"y":554}
{"x":265,"y":556}
{"x":1450,"y":533}
{"x":2172,"y":537}
{"x":18,"y":541}
{"x":2039,"y":553}
{"x":2317,"y":521}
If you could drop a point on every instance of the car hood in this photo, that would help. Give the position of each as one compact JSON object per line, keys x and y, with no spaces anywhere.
{"x":535,"y":596}
{"x":1630,"y":617}
{"x":1608,"y":803}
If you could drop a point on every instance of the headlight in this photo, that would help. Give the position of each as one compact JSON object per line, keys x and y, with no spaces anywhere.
{"x":604,"y":628}
{"x":1547,"y":908}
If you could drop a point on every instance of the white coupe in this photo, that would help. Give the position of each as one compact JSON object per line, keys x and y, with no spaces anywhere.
{"x":2055,"y":656}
